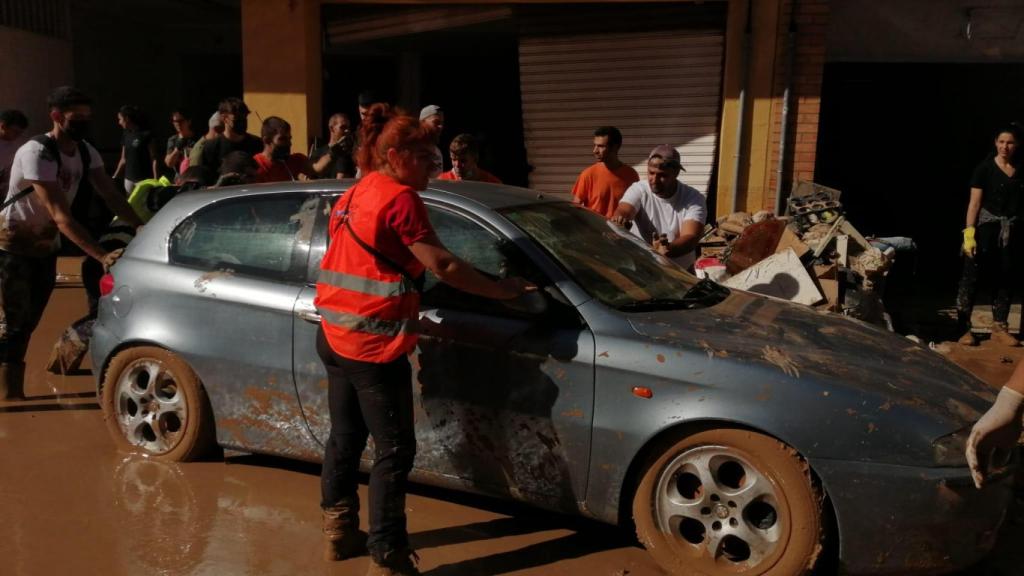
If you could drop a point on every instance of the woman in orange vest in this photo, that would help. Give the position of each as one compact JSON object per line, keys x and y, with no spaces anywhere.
{"x":368,"y":296}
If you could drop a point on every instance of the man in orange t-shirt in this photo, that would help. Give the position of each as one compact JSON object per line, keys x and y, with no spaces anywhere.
{"x":600,"y":187}
{"x":465,"y":152}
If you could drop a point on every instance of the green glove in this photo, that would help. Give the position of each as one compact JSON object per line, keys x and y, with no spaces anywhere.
{"x":970,"y":246}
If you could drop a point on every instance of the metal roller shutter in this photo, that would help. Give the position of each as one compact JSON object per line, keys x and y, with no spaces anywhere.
{"x":659,"y":87}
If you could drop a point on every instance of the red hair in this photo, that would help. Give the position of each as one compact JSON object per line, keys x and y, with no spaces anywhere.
{"x":385,"y":128}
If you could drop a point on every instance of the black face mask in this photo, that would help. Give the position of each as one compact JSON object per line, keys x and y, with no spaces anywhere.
{"x":280,"y":152}
{"x":240,"y":126}
{"x":77,"y":129}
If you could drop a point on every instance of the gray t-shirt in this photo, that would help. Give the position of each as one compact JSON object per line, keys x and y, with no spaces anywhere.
{"x":656,"y":215}
{"x":26,"y":226}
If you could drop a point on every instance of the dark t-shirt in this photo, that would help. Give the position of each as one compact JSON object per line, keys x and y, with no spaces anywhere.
{"x":215,"y":151}
{"x":1001,"y":194}
{"x":138,"y":162}
{"x":344,"y":163}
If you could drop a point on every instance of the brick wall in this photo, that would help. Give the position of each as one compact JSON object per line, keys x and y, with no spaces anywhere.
{"x":811,"y":23}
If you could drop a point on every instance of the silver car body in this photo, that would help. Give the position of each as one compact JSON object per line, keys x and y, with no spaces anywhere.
{"x":544,"y":411}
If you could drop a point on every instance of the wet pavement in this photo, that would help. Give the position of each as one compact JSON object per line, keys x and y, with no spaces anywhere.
{"x":70,"y":504}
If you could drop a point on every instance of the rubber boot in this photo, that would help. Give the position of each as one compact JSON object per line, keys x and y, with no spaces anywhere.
{"x":1001,"y":336}
{"x":968,"y":339}
{"x":342,"y":537}
{"x":396,"y":563}
{"x":12,"y":381}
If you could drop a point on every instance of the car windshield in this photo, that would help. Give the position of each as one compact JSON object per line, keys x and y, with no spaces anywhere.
{"x":610,"y":263}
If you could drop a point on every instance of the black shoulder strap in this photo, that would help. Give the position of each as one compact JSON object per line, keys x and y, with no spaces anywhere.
{"x":416,"y":283}
{"x":50,"y":144}
{"x":83,"y":153}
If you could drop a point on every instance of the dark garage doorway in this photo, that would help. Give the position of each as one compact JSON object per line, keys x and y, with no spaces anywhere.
{"x":901,"y":142}
{"x":472,"y":72}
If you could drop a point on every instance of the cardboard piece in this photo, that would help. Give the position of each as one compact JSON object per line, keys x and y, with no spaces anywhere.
{"x":789,"y":239}
{"x":780,"y":275}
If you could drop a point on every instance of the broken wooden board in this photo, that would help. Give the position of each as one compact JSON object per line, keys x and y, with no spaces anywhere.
{"x":789,"y":239}
{"x":757,"y":242}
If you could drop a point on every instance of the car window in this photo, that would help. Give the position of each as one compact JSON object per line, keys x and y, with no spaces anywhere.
{"x":610,"y":263}
{"x":266,"y":236}
{"x":467,"y":240}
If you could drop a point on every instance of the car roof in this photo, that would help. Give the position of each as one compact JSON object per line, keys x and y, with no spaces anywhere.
{"x":493,"y":196}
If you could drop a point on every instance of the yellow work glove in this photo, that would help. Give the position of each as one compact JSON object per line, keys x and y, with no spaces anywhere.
{"x":970,"y":245}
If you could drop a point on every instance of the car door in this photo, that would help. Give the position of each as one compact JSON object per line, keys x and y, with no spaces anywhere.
{"x":503,"y":396}
{"x":241,"y":263}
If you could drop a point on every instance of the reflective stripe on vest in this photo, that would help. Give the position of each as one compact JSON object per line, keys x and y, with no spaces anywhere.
{"x":366,"y":325}
{"x":364,"y":285}
{"x":369,"y":311}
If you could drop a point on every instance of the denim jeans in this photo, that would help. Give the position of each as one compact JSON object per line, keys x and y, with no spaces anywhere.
{"x":366,"y":398}
{"x":25,"y":287}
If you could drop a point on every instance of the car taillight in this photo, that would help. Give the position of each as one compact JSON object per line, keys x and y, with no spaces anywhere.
{"x":106,"y":284}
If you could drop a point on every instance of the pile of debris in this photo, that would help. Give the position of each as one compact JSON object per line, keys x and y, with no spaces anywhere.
{"x":812,"y":255}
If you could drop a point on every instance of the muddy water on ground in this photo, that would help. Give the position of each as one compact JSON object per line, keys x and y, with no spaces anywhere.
{"x":69,"y":504}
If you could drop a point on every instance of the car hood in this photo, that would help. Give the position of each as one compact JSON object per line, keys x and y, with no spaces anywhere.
{"x":829,"y":349}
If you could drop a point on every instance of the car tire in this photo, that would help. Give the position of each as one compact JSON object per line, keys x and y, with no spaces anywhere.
{"x":154,"y":404}
{"x":729,"y":501}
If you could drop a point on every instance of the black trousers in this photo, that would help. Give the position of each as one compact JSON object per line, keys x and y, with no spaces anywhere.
{"x":992,"y":266}
{"x":25,"y":287}
{"x":366,"y":398}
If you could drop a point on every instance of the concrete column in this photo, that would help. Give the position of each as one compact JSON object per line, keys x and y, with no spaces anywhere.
{"x":282,"y":72}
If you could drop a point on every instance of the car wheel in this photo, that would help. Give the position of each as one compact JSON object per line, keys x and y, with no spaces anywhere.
{"x":154,"y":404}
{"x":729,"y":501}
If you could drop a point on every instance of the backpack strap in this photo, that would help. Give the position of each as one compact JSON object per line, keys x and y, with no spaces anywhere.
{"x":50,"y":144}
{"x":83,"y":153}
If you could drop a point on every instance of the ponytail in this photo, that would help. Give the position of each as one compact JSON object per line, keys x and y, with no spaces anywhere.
{"x":384,"y":128}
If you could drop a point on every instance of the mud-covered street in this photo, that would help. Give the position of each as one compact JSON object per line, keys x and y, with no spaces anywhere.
{"x":71,"y":504}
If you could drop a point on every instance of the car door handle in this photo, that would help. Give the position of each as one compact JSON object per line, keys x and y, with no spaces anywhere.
{"x":308,"y":315}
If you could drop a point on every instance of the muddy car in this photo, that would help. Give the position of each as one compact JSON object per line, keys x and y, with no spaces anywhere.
{"x":738,"y":434}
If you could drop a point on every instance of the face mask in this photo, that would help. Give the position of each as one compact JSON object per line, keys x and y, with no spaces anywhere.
{"x":240,"y":126}
{"x":280,"y":152}
{"x":77,"y":129}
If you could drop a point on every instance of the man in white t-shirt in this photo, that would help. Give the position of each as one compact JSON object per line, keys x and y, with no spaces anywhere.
{"x":664,"y":212}
{"x":12,"y":124}
{"x":37,"y":209}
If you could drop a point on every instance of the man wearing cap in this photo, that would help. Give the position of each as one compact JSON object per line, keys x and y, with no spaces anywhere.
{"x":432,"y":118}
{"x":236,"y":138}
{"x":664,"y":212}
{"x":600,"y":187}
{"x":364,"y":100}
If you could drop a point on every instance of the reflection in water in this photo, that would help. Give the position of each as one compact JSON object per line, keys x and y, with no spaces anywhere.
{"x":158,"y":507}
{"x":205,"y":518}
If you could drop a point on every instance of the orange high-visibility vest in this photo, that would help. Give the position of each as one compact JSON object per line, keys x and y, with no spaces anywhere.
{"x":368,"y":309}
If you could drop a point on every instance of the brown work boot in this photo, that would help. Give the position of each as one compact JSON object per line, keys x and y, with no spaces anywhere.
{"x":12,"y":381}
{"x":342,"y":537}
{"x":968,"y":339}
{"x":1001,"y":336}
{"x":397,"y":563}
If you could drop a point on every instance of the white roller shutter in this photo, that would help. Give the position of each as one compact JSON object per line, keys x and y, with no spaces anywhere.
{"x":656,"y":87}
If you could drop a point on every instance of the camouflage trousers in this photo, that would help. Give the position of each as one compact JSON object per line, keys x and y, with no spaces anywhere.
{"x":25,"y":287}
